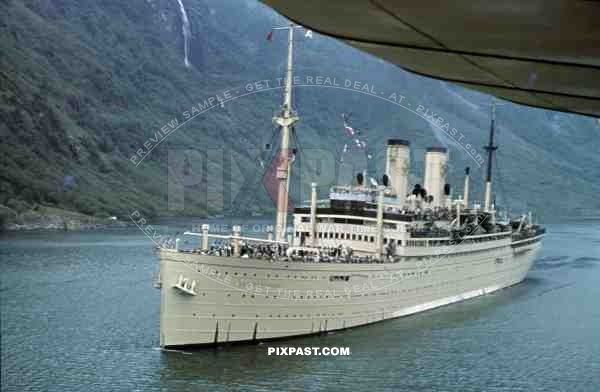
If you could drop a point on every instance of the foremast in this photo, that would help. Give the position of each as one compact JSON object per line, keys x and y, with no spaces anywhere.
{"x":286,"y":120}
{"x":490,"y":148}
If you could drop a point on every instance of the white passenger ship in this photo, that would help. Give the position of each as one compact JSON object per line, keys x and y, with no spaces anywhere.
{"x":367,"y":254}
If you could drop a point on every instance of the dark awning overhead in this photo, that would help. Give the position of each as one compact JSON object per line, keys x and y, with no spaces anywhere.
{"x":540,"y":53}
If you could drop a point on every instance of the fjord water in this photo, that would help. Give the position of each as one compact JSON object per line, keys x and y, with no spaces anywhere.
{"x":79,"y":313}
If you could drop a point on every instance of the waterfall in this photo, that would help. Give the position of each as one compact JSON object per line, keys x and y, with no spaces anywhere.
{"x":187,"y":33}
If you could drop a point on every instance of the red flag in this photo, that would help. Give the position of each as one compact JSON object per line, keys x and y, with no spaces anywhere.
{"x":270,"y":36}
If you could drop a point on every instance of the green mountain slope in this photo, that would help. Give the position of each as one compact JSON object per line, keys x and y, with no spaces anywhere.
{"x":85,"y":84}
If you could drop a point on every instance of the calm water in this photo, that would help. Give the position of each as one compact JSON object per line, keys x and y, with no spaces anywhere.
{"x":79,"y":313}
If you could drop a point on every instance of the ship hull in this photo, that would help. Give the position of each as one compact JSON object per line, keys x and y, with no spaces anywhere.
{"x":245,"y":300}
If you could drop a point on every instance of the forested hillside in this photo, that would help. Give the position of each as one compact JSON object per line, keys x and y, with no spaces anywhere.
{"x":85,"y":84}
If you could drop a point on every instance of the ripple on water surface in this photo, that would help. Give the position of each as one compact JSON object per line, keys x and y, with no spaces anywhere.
{"x":79,"y":313}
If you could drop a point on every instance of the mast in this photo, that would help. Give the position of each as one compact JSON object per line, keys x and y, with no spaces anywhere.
{"x":285,"y":120}
{"x":466,"y":188}
{"x":490,"y":148}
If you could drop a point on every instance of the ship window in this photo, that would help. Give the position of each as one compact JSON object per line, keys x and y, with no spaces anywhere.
{"x":344,"y":278}
{"x":372,"y":239}
{"x":320,"y":235}
{"x":305,"y":219}
{"x":297,"y":234}
{"x":399,"y":242}
{"x":360,"y":237}
{"x":330,"y":235}
{"x":337,"y":236}
{"x":385,"y":240}
{"x":354,"y":236}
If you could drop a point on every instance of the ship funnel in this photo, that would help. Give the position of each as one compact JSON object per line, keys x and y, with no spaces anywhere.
{"x":436,"y":166}
{"x":397,"y":165}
